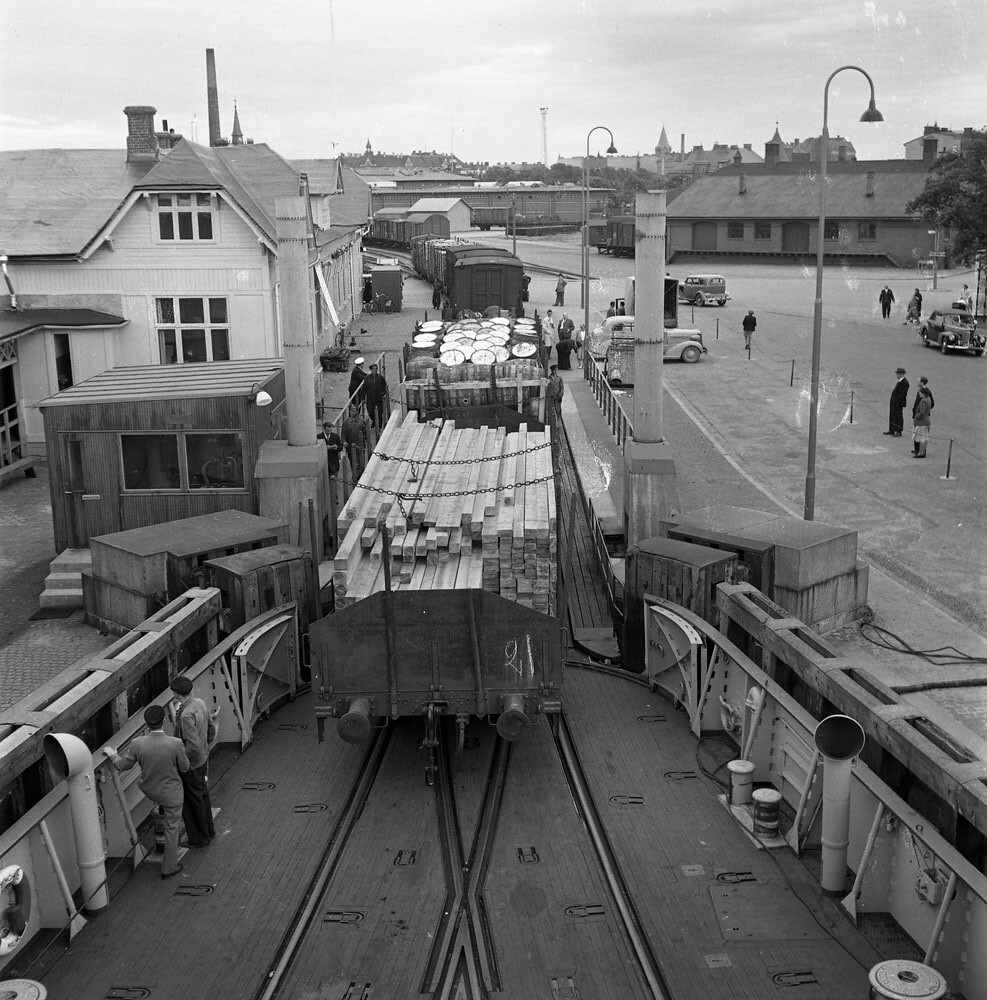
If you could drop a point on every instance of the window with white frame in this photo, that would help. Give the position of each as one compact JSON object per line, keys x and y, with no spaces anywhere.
{"x":192,"y":330}
{"x":185,"y":216}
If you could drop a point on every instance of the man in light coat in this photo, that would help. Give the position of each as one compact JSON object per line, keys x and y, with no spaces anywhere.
{"x":162,"y":761}
{"x":192,"y":728}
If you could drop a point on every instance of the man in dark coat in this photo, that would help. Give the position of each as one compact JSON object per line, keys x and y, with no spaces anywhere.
{"x":896,"y":408}
{"x":750,"y":325}
{"x":355,"y":433}
{"x":357,"y":377}
{"x":374,"y":393}
{"x":886,"y":298}
{"x":192,"y":728}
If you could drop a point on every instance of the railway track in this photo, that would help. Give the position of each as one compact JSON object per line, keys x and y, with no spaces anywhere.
{"x":496,"y":881}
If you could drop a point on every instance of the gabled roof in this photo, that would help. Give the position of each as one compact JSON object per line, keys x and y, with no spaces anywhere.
{"x":324,"y":176}
{"x":253,"y":175}
{"x":53,"y":201}
{"x":777,"y":193}
{"x":436,"y":205}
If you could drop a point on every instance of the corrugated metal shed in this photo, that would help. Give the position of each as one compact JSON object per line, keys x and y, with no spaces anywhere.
{"x":144,"y":382}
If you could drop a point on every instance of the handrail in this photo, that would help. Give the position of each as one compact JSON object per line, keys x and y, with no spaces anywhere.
{"x":609,"y":404}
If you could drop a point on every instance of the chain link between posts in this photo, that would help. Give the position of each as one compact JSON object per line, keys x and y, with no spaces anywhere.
{"x":401,"y":495}
{"x":463,"y":461}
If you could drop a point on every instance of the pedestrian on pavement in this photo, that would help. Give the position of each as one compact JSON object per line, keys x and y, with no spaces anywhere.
{"x":896,"y":406}
{"x":437,"y":294}
{"x":162,"y":761}
{"x":355,"y":433}
{"x":967,"y":298}
{"x":549,"y":338}
{"x":922,"y":420}
{"x":886,"y":298}
{"x":749,"y":325}
{"x":564,"y":349}
{"x":554,"y":391}
{"x":375,"y":393}
{"x":192,"y":728}
{"x":357,"y":377}
{"x":560,"y":290}
{"x":914,"y":313}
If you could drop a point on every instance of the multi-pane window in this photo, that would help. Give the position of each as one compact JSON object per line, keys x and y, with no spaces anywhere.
{"x":762,"y":230}
{"x":867,"y":231}
{"x":735,"y":230}
{"x":182,"y":460}
{"x":185,"y":216}
{"x":832,"y":230}
{"x":192,"y":330}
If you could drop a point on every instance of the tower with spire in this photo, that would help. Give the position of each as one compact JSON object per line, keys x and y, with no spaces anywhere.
{"x":237,"y":131}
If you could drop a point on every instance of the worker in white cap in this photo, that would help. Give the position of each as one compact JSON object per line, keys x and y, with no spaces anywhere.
{"x":356,"y":381}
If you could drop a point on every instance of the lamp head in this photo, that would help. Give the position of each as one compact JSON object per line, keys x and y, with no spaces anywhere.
{"x":872,"y":114}
{"x":612,"y":149}
{"x":260,"y":396}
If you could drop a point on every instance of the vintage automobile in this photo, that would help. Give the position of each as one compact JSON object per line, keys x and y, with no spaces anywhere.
{"x":952,"y":330}
{"x":704,"y":289}
{"x":614,"y":343}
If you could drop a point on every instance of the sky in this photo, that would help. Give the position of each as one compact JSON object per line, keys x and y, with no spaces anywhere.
{"x":316,"y":78}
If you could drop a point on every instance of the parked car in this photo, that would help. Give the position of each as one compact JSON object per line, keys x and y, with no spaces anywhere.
{"x":952,"y":330}
{"x":704,"y":289}
{"x":614,"y":343}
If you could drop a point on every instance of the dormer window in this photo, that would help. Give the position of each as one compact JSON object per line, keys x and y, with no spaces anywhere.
{"x":185,"y":217}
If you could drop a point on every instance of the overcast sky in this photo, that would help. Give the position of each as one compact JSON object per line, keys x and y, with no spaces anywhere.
{"x":314,"y":78}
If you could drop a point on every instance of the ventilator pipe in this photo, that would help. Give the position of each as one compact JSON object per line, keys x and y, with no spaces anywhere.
{"x":69,"y":759}
{"x":755,"y":702}
{"x":354,"y":726}
{"x":513,"y":720}
{"x":839,"y":739}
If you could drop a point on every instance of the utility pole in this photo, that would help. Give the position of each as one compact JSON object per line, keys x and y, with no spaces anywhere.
{"x":544,"y":135}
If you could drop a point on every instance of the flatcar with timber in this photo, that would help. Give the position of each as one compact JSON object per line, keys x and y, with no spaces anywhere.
{"x":445,"y":584}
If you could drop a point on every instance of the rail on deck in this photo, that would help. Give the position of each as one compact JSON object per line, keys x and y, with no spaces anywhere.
{"x":609,"y":404}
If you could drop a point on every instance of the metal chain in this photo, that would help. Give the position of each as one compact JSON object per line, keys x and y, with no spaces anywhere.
{"x":452,"y":493}
{"x":466,"y":461}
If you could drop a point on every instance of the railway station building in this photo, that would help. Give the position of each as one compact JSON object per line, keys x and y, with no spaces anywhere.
{"x":164,"y":252}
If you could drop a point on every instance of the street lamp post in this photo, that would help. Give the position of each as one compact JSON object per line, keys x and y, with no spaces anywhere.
{"x":934,"y":233}
{"x":870,"y":115}
{"x":585,"y":261}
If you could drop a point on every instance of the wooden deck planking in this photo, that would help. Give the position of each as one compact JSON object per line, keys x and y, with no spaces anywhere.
{"x":526,"y":903}
{"x":211,"y":945}
{"x":401,"y":899}
{"x":679,"y":824}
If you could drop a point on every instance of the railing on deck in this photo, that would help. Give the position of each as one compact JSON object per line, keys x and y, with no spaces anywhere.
{"x":244,"y":674}
{"x":607,"y":399}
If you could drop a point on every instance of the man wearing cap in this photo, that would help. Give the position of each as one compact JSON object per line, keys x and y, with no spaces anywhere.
{"x":162,"y":761}
{"x":554,"y":391}
{"x":357,"y":377}
{"x":375,"y":392}
{"x":192,"y":728}
{"x":355,"y":432}
{"x":896,"y":408}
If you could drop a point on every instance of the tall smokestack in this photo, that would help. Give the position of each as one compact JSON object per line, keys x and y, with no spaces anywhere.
{"x":212,"y":99}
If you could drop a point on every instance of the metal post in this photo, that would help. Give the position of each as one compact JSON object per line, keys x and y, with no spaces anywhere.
{"x":851,"y":406}
{"x":871,"y":114}
{"x":792,"y":381}
{"x":585,"y":254}
{"x":949,"y":460}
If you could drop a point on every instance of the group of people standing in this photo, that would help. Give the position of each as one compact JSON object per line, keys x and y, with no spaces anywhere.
{"x":174,"y":771}
{"x":922,"y":407}
{"x":913,"y":314}
{"x":558,"y":337}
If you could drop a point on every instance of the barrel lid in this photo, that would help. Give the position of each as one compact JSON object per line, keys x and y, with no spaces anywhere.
{"x":766,"y":795}
{"x":740,"y":766}
{"x":431,"y":326}
{"x":902,"y":979}
{"x":22,"y":989}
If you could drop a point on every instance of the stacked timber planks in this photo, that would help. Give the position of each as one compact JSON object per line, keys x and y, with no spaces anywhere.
{"x":462,"y":508}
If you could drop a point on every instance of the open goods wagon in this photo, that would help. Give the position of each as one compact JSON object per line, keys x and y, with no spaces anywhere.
{"x":400,"y":233}
{"x":445,"y":583}
{"x":620,"y":236}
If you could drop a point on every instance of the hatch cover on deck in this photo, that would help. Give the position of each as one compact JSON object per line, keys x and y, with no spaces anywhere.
{"x":762,"y":912}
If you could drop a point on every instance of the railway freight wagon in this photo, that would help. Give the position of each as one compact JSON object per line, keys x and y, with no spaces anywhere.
{"x":445,"y":584}
{"x":399,"y":233}
{"x":478,"y":278}
{"x":620,"y":236}
{"x":486,"y":217}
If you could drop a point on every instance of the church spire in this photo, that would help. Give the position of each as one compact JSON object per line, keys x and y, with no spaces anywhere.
{"x":237,"y":131}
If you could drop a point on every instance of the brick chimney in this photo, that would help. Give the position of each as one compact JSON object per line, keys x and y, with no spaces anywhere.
{"x":869,"y":189}
{"x":212,"y":100}
{"x":743,"y":183}
{"x":142,"y":145}
{"x":930,"y":150}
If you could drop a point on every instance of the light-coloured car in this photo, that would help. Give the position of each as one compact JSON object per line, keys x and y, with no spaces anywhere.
{"x":952,"y":330}
{"x":614,"y":343}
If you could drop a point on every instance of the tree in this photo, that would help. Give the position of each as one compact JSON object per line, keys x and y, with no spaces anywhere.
{"x":955,"y":196}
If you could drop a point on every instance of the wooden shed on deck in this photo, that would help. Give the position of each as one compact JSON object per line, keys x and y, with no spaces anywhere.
{"x":138,"y":446}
